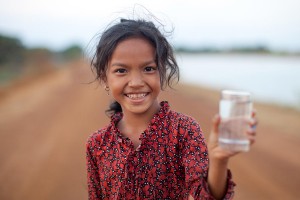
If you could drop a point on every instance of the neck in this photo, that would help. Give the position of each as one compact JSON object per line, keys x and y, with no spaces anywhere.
{"x":137,"y":123}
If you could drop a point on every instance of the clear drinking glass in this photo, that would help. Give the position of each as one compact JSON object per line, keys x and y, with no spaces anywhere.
{"x":235,"y":111}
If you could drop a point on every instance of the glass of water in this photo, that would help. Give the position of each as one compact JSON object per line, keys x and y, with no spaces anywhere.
{"x":235,"y":110}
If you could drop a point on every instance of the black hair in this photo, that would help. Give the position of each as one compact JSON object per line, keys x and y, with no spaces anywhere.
{"x":111,"y":37}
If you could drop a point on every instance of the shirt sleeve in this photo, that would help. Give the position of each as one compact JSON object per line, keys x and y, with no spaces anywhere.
{"x":195,"y":162}
{"x":93,"y":180}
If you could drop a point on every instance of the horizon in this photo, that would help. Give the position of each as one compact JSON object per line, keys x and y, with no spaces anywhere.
{"x":251,"y":48}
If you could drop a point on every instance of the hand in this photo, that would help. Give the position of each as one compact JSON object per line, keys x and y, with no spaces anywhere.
{"x":215,"y":151}
{"x":252,"y":131}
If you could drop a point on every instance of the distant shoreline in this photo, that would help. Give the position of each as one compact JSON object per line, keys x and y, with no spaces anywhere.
{"x":225,"y":52}
{"x":246,"y":49}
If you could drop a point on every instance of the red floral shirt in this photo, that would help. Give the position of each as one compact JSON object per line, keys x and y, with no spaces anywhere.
{"x":170,"y":163}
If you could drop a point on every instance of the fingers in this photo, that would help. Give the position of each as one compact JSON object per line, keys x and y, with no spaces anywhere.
{"x":253,"y":124}
{"x":251,"y":133}
{"x":253,"y":114}
{"x":252,"y":139}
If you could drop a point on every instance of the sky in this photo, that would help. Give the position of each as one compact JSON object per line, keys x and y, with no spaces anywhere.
{"x":57,"y":24}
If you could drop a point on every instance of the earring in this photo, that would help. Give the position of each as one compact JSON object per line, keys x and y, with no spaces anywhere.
{"x":107,"y":89}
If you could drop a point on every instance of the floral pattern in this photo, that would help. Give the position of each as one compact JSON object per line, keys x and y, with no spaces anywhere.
{"x":170,"y":163}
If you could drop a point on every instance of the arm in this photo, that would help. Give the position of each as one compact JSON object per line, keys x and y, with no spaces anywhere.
{"x":217,"y":174}
{"x":218,"y":161}
{"x":94,"y":190}
{"x":206,"y":180}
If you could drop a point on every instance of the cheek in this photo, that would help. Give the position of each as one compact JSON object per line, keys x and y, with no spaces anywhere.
{"x":115,"y":86}
{"x":156,"y":84}
{"x":158,"y":80}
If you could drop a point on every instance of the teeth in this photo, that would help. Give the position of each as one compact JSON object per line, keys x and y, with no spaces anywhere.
{"x":136,"y":96}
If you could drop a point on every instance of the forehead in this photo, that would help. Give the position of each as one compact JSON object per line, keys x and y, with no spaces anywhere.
{"x":134,"y":47}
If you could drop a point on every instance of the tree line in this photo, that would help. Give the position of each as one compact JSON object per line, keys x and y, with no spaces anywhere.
{"x":16,"y":59}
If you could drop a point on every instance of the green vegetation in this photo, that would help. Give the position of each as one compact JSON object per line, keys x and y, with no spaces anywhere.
{"x":72,"y":52}
{"x":17,"y":60}
{"x":11,"y":50}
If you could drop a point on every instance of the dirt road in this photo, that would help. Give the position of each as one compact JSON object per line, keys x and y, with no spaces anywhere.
{"x":45,"y":121}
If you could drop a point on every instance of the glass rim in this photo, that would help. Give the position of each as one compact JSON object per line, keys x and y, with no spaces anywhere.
{"x":236,"y":95}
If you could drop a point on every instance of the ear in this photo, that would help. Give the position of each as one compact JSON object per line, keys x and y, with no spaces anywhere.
{"x":104,"y":81}
{"x":104,"y":76}
{"x":104,"y":85}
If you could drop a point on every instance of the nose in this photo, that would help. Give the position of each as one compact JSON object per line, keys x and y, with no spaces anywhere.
{"x":136,"y":80}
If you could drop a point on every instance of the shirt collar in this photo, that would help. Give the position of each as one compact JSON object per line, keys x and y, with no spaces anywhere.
{"x":164,"y":109}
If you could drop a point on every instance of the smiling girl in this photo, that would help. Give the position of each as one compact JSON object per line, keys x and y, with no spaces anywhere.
{"x":149,"y":151}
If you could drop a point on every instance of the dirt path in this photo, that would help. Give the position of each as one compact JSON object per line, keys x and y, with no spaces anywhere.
{"x":45,"y":122}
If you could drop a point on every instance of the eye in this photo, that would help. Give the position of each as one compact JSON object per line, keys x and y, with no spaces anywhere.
{"x":120,"y":71}
{"x":150,"y":69}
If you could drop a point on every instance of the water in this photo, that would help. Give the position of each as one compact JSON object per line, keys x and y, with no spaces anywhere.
{"x":272,"y":79}
{"x":233,"y":133}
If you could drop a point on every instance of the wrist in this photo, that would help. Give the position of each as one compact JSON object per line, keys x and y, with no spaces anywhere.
{"x":220,"y":162}
{"x":217,"y":177}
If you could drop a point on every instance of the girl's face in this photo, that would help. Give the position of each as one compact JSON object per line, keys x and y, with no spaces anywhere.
{"x":133,"y":77}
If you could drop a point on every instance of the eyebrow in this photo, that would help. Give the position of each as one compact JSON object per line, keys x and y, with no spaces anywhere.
{"x":124,"y":65}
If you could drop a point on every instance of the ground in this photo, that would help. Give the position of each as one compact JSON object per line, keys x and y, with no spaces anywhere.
{"x":46,"y":119}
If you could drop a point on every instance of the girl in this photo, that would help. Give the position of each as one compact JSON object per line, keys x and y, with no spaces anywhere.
{"x":149,"y":151}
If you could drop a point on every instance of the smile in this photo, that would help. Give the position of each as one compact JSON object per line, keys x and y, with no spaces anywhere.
{"x":136,"y":96}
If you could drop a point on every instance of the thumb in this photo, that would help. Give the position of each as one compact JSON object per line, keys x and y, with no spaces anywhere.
{"x":215,"y":123}
{"x":214,"y":133}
